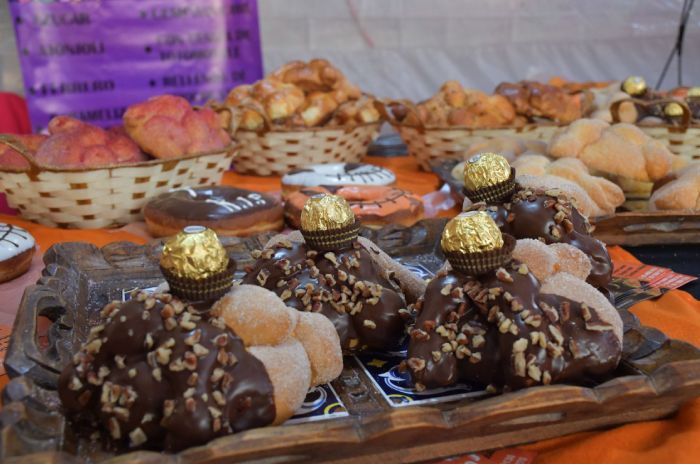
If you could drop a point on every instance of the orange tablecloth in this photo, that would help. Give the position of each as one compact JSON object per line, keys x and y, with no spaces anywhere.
{"x":676,"y":439}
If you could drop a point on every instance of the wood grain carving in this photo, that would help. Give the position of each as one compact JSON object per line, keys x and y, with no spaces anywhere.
{"x":656,"y":376}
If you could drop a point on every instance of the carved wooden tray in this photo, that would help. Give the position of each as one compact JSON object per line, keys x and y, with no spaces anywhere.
{"x":632,"y":228}
{"x":656,"y":376}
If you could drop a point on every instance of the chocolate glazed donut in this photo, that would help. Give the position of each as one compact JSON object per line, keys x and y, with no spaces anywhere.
{"x":551,"y":217}
{"x":157,"y":376}
{"x":226,"y":210}
{"x":347,"y":286}
{"x":498,"y":330}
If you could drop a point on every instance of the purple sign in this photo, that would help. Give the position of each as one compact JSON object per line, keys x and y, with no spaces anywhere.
{"x":92,"y":58}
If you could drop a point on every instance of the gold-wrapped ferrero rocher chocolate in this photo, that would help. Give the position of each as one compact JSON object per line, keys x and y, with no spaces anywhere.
{"x":195,"y":253}
{"x":694,"y":92}
{"x":634,"y":86}
{"x":471,"y":232}
{"x":673,"y":110}
{"x":485,"y":170}
{"x":326,"y":212}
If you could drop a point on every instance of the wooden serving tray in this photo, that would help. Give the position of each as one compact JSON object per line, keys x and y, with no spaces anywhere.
{"x":631,"y":228}
{"x":656,"y":376}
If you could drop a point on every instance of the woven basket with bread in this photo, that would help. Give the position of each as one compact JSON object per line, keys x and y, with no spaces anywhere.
{"x":303,"y":113}
{"x":82,"y":176}
{"x":445,"y":125}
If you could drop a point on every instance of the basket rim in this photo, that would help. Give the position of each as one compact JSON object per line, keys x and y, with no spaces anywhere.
{"x":231,"y":149}
{"x":465,"y":128}
{"x":302,"y":130}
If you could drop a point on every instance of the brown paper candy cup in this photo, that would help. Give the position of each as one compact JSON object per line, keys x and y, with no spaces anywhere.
{"x":474,"y":264}
{"x":493,"y":193}
{"x":331,"y":240}
{"x":209,"y":288}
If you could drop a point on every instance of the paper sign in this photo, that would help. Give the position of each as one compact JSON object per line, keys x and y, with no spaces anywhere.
{"x":653,"y":276}
{"x":93,"y":58}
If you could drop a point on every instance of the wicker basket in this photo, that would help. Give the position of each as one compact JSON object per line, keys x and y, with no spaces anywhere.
{"x":102,"y":197}
{"x":430,"y":144}
{"x":274,"y":151}
{"x":682,"y":139}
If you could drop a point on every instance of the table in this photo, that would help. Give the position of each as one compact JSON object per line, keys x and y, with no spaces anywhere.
{"x":677,"y":313}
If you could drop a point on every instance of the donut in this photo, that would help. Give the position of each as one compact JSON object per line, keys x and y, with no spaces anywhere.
{"x":336,"y":174}
{"x":17,"y":248}
{"x":374,"y":205}
{"x":226,"y":210}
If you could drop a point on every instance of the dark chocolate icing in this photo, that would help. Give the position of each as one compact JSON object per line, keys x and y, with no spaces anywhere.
{"x":549,"y":216}
{"x":211,"y":203}
{"x":347,"y":286}
{"x":471,"y":330}
{"x":163,"y":378}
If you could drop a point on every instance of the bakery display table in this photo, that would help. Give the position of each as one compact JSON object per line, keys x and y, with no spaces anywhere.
{"x":676,"y":313}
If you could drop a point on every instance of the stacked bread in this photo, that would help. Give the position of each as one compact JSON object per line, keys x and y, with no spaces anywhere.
{"x":300,"y":95}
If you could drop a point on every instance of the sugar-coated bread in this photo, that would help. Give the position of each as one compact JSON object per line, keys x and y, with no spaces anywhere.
{"x":167,"y":126}
{"x":584,"y":203}
{"x":636,"y":155}
{"x":288,"y":367}
{"x":257,"y":315}
{"x":546,"y":260}
{"x":10,"y":158}
{"x":573,"y":288}
{"x":73,"y":143}
{"x":683,"y":193}
{"x":322,"y":345}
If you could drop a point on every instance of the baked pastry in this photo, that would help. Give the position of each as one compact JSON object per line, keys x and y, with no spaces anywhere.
{"x":155,"y":374}
{"x":10,"y":158}
{"x":167,"y":127}
{"x":327,"y":269}
{"x":228,"y":211}
{"x":17,"y":247}
{"x":454,"y":105}
{"x":682,"y":193}
{"x":595,"y":196}
{"x":76,"y":144}
{"x":547,"y":214}
{"x":637,"y":156}
{"x":300,"y":95}
{"x":336,"y":174}
{"x":537,"y":100}
{"x":489,"y":320}
{"x":373,"y":205}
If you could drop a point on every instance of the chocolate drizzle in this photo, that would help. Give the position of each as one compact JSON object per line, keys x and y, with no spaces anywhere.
{"x":210,"y":203}
{"x":347,"y":286}
{"x":499,"y":330}
{"x":549,"y":215}
{"x":155,"y":375}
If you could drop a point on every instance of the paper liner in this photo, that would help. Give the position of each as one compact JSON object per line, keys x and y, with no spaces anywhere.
{"x":493,"y":193}
{"x":480,"y":263}
{"x":209,"y":288}
{"x":330,"y":240}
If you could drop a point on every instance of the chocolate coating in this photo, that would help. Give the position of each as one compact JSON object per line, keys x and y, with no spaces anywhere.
{"x":210,"y":203}
{"x":163,"y":378}
{"x":347,"y":286}
{"x":550,"y":217}
{"x":488,"y":330}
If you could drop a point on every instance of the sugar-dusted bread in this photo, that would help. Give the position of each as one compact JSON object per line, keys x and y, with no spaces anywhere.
{"x":621,"y":150}
{"x":683,"y":193}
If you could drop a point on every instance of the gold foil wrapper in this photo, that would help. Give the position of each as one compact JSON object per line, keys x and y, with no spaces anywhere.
{"x":194,"y":253}
{"x":694,"y":92}
{"x":673,"y":110}
{"x":326,"y":212}
{"x":484,"y":170}
{"x":471,"y":232}
{"x":634,"y":86}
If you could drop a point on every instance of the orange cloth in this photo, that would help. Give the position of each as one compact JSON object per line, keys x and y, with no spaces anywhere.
{"x":677,"y":314}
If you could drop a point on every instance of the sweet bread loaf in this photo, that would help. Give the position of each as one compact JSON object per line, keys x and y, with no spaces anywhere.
{"x":683,"y":193}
